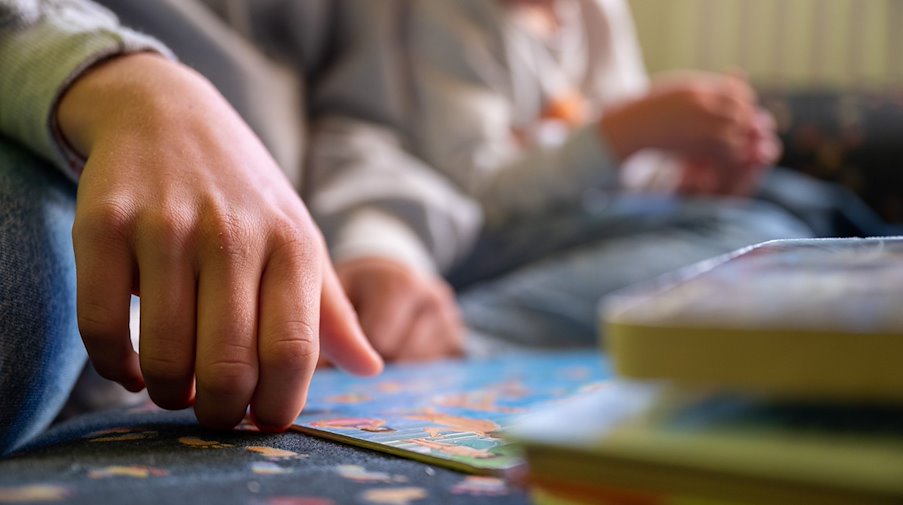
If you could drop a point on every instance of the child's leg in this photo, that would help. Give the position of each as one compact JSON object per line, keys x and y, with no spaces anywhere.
{"x":553,"y":301}
{"x":41,"y":353}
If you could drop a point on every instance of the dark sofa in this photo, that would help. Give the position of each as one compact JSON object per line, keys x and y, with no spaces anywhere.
{"x":853,"y":138}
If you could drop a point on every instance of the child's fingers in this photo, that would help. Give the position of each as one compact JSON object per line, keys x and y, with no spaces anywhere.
{"x":737,"y":108}
{"x":737,"y":73}
{"x":765,"y":145}
{"x":386,"y":311}
{"x":341,"y":338}
{"x":765,"y":120}
{"x":168,"y":323}
{"x":226,"y":365}
{"x":747,"y":180}
{"x":701,"y":177}
{"x":424,"y":338}
{"x":288,"y":340}
{"x":105,"y":272}
{"x":436,"y":332}
{"x":737,"y":83}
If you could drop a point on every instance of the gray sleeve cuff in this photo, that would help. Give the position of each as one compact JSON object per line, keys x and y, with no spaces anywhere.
{"x":44,"y":47}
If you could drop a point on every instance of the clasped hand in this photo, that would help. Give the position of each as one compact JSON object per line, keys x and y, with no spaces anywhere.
{"x":711,"y":121}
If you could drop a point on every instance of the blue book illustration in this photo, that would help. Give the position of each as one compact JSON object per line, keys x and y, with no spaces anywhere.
{"x":448,"y":413}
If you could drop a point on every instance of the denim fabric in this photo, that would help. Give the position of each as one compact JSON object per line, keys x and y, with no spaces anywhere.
{"x":41,"y":353}
{"x":540,"y":283}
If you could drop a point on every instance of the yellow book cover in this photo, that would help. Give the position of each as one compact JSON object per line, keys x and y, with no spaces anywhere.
{"x":809,"y":318}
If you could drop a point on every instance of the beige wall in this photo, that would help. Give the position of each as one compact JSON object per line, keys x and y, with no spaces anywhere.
{"x":834,"y":43}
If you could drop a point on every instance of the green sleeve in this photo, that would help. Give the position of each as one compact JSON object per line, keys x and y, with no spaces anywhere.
{"x":44,"y":46}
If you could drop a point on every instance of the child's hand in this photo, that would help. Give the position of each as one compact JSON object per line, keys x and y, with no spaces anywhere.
{"x":408,"y":315}
{"x":180,"y":201}
{"x":699,"y":116}
{"x":703,"y":175}
{"x":765,"y":146}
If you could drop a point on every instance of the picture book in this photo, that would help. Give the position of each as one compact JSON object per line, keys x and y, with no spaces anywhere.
{"x":672,"y":446}
{"x":812,"y":318}
{"x":449,"y":413}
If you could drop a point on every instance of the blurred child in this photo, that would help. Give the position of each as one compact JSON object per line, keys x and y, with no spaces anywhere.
{"x":498,"y":147}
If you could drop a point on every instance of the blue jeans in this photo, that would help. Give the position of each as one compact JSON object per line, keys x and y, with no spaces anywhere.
{"x":41,"y":353}
{"x":539,"y":283}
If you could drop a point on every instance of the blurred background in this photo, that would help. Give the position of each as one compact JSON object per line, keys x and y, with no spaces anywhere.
{"x":796,"y":43}
{"x":831,"y":71}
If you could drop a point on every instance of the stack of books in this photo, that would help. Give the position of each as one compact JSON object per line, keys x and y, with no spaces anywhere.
{"x":773,"y":375}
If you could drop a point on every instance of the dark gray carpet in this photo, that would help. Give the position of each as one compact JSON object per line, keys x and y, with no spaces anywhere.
{"x":144,"y":455}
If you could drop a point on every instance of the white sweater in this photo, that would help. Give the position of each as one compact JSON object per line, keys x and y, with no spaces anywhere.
{"x":427,"y":128}
{"x":414,"y":107}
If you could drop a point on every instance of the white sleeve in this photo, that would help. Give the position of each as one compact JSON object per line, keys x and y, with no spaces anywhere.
{"x":372,"y":198}
{"x":463,"y":83}
{"x":369,"y":192}
{"x":649,"y":170}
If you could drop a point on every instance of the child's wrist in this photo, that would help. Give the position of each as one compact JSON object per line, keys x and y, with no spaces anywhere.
{"x":618,"y":130}
{"x":128,"y":94}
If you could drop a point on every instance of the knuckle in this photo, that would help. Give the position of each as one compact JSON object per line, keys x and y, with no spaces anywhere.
{"x":697,"y":96}
{"x":169,"y":228}
{"x":104,"y":220}
{"x":432,"y":302}
{"x":165,"y":368}
{"x":737,"y":113}
{"x":297,"y":243}
{"x":296,"y":351}
{"x":696,"y":90}
{"x":711,"y":108}
{"x":732,"y":138}
{"x":445,"y":292}
{"x":721,"y":148}
{"x":228,"y":231}
{"x":94,"y":321}
{"x":223,"y":378}
{"x":295,"y":256}
{"x":399,"y":288}
{"x":742,"y":92}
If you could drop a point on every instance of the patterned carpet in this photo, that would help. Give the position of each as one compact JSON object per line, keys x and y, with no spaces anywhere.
{"x":144,"y":455}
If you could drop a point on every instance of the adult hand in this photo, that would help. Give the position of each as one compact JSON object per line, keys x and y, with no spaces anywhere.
{"x":181,"y":202}
{"x":408,"y":315}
